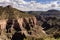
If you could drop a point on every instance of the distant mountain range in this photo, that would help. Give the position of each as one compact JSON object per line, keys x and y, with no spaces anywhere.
{"x":48,"y":13}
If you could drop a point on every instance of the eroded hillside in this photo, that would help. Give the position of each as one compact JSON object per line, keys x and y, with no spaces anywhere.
{"x":50,"y":21}
{"x":17,"y":25}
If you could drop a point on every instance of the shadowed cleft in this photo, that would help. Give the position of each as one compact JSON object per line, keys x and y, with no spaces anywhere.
{"x":9,"y":25}
{"x":16,"y":26}
{"x":18,"y":36}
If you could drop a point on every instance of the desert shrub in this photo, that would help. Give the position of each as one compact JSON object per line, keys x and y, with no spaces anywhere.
{"x":56,"y":35}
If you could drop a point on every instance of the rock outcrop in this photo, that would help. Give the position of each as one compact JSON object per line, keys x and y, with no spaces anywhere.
{"x":17,"y":25}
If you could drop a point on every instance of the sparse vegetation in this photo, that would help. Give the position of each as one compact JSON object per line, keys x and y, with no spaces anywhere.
{"x":50,"y":24}
{"x":12,"y":13}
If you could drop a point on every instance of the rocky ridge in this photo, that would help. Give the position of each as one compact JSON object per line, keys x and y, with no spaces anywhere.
{"x":15,"y":25}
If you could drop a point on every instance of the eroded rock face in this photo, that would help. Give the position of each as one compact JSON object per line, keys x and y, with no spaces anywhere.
{"x":22,"y":26}
{"x":3,"y":24}
{"x":18,"y":25}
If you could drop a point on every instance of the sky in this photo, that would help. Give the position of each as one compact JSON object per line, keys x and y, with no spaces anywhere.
{"x":32,"y":5}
